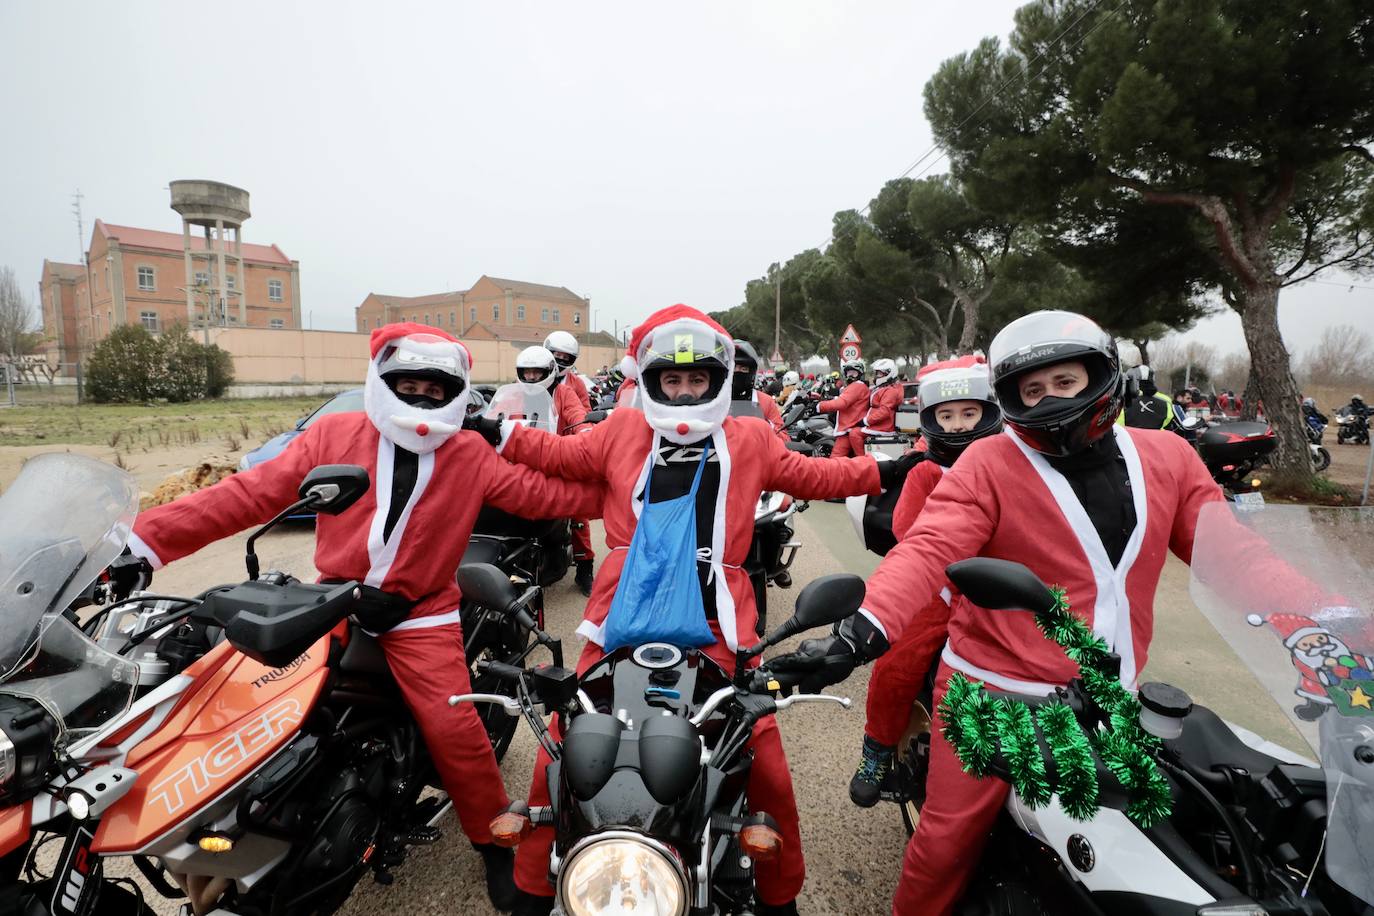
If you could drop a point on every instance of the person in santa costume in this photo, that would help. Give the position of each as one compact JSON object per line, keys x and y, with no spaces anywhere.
{"x":1322,"y":659}
{"x":538,"y":368}
{"x":403,"y":540}
{"x":745,"y":399}
{"x":627,"y":395}
{"x":565,"y":350}
{"x":883,"y":400}
{"x":849,"y":408}
{"x":1085,"y":504}
{"x":681,"y":455}
{"x":957,"y":407}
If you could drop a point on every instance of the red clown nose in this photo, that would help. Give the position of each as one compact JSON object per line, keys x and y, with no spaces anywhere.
{"x":422,"y":429}
{"x":682,"y":429}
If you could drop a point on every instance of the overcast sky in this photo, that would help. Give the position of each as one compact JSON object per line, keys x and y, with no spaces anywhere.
{"x":638,"y":153}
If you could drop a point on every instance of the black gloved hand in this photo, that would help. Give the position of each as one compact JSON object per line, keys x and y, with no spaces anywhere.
{"x":127,"y":573}
{"x":891,"y":473}
{"x":827,"y":660}
{"x":489,"y":428}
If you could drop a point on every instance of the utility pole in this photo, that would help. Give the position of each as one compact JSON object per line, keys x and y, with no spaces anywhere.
{"x":777,"y":311}
{"x":80,"y":223}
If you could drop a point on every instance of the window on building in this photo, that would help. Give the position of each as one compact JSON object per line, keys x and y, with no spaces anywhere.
{"x":365,"y":324}
{"x":496,"y":311}
{"x":149,"y":320}
{"x":453,"y":319}
{"x":426,"y":317}
{"x":274,"y":290}
{"x":557,"y":316}
{"x":202,"y":278}
{"x":520,"y":312}
{"x":577,"y":317}
{"x":229,"y":281}
{"x":472,"y":313}
{"x":414,"y":319}
{"x":146,"y":279}
{"x":277,"y":323}
{"x":544,"y":315}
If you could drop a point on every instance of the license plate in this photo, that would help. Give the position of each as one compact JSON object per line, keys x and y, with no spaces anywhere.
{"x":1249,"y":500}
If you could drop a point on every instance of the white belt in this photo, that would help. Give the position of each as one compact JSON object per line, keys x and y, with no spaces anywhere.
{"x":1000,"y":681}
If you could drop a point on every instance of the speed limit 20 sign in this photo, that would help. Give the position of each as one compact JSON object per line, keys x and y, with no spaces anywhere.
{"x":849,"y":352}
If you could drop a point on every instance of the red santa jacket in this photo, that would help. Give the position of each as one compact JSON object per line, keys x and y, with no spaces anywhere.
{"x":418,"y":561}
{"x":916,"y":489}
{"x":626,"y":393}
{"x":574,"y":381}
{"x":882,"y":408}
{"x":852,"y":404}
{"x":769,"y":408}
{"x":1002,"y":499}
{"x":570,"y":413}
{"x":752,"y":460}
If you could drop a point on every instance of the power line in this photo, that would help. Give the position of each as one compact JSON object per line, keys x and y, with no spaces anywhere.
{"x":1345,"y":286}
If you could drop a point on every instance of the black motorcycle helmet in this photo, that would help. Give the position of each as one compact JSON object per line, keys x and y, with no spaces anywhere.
{"x":746,"y":371}
{"x":400,"y":361}
{"x":956,"y":384}
{"x":1058,"y":426}
{"x":673,"y":349}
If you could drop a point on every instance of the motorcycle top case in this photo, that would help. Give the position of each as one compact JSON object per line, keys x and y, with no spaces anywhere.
{"x":1235,"y":443}
{"x":232,"y":718}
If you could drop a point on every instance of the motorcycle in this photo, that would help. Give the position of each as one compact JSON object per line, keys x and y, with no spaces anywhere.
{"x":808,"y":428}
{"x":1254,"y":827}
{"x":246,"y":749}
{"x":650,"y":804}
{"x":1351,"y":428}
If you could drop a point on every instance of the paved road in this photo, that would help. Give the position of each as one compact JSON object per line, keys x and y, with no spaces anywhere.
{"x":852,"y":855}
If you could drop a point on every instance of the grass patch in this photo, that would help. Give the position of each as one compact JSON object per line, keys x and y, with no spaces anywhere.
{"x":1307,"y":489}
{"x":125,"y":426}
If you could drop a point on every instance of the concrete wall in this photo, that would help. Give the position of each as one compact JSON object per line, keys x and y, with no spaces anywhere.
{"x":267,"y":357}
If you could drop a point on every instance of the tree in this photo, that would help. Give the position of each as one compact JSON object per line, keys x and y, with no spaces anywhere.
{"x":1252,"y":120}
{"x":182,"y":375}
{"x":125,"y":366}
{"x":19,"y":335}
{"x":1343,"y":356}
{"x":752,"y":320}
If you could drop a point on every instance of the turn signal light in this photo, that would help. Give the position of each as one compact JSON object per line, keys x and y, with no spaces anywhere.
{"x":760,"y":842}
{"x":215,"y":842}
{"x":510,"y":829}
{"x":1256,"y":483}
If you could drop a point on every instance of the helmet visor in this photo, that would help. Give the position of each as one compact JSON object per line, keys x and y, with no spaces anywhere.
{"x":684,"y":347}
{"x":564,"y":360}
{"x":1046,"y":338}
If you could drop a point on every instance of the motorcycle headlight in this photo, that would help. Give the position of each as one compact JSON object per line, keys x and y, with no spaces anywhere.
{"x":622,"y":874}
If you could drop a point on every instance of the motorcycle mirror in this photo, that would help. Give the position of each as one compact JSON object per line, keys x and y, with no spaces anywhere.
{"x":334,"y":487}
{"x":826,"y":600}
{"x":487,"y":586}
{"x":1000,"y":584}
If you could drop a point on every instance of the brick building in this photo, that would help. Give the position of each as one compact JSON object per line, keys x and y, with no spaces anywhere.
{"x":140,"y":276}
{"x":493,"y":309}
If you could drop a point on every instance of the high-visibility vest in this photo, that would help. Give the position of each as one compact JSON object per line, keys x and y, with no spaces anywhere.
{"x":1168,"y":405}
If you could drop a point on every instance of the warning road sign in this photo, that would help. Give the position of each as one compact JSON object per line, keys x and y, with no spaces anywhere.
{"x":776,"y":357}
{"x":850,"y":335}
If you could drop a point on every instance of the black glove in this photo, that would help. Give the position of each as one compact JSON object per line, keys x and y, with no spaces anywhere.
{"x":891,"y":473}
{"x":827,"y":660}
{"x":127,"y":573}
{"x":489,"y":428}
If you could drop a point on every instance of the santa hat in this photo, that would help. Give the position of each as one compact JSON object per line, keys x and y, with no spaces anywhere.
{"x":664,"y":316}
{"x":1290,"y":627}
{"x":423,"y":333}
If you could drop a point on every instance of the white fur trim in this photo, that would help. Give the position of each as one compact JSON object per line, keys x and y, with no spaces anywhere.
{"x":433,"y":620}
{"x":387,"y":412}
{"x":1112,"y":610}
{"x":1000,"y":681}
{"x":507,"y":427}
{"x":629,"y":368}
{"x":1299,"y":633}
{"x":139,"y":548}
{"x":382,"y":552}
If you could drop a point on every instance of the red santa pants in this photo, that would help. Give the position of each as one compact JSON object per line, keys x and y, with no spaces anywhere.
{"x":900,"y":673}
{"x":582,"y":540}
{"x":959,"y":812}
{"x":429,"y":666}
{"x":770,"y":790}
{"x":848,"y":445}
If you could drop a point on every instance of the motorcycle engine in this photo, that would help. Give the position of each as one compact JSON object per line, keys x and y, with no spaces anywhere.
{"x":345,"y":837}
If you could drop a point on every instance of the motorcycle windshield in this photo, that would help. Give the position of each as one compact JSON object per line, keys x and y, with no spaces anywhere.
{"x":1290,"y":590}
{"x":62,"y":521}
{"x":531,"y":405}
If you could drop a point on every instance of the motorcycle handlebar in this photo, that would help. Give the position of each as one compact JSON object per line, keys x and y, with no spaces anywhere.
{"x":502,"y":670}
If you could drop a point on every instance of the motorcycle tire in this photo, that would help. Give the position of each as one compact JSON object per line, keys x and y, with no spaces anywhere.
{"x":500,"y":727}
{"x":1340,"y":439}
{"x":1321,"y":460}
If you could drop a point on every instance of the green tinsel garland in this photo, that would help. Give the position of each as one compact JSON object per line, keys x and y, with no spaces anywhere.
{"x":977,"y":726}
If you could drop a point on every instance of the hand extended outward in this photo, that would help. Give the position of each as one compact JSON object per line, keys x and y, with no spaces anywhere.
{"x":827,"y":660}
{"x":891,"y":473}
{"x":488,"y":428}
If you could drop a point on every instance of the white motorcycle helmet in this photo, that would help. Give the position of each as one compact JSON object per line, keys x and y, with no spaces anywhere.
{"x":790,"y":379}
{"x":536,"y":369}
{"x":406,"y":360}
{"x":564,"y":348}
{"x":681,"y":338}
{"x":884,"y":372}
{"x":852,"y":370}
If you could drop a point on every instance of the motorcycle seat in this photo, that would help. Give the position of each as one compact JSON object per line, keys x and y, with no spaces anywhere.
{"x":1207,"y":743}
{"x":482,"y":550}
{"x":363,"y":655}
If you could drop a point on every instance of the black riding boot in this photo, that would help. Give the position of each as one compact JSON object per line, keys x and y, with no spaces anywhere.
{"x":584,"y":577}
{"x":499,"y":863}
{"x":530,"y":905}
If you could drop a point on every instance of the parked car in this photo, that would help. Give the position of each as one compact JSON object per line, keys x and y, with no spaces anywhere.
{"x":343,"y":402}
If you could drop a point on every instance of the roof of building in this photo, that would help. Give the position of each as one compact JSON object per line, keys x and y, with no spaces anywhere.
{"x":389,"y":301}
{"x":129,"y":236}
{"x":536,"y":290}
{"x":65,"y":271}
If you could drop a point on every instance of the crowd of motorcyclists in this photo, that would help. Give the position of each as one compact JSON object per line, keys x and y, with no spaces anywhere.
{"x":1047,"y":452}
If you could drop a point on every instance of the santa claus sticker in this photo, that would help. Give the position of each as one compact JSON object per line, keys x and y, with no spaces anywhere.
{"x":1329,"y":673}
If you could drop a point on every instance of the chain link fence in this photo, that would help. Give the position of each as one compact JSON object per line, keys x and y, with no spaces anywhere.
{"x":27,"y":384}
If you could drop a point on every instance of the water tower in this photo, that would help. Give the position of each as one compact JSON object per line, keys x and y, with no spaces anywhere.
{"x":218,"y":208}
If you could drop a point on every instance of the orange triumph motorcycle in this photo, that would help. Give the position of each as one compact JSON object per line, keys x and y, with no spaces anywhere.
{"x":246,"y":750}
